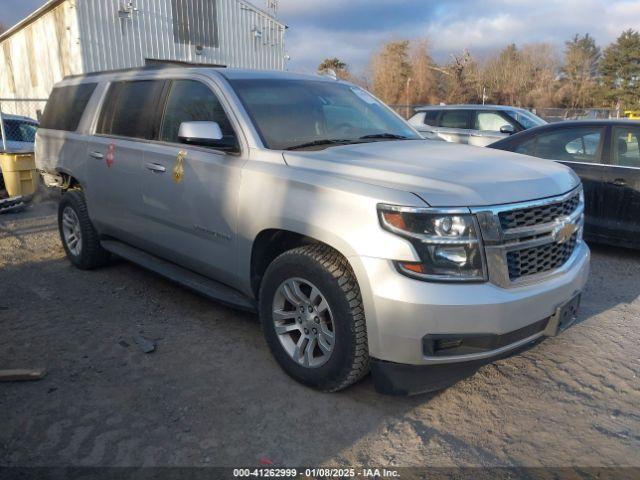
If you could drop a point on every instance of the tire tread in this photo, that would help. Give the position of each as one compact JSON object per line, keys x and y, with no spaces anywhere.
{"x":338,"y":266}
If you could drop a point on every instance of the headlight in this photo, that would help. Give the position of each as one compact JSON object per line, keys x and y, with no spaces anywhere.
{"x":448,"y":243}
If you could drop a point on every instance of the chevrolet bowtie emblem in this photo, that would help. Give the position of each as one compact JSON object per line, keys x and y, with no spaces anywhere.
{"x":564,"y":230}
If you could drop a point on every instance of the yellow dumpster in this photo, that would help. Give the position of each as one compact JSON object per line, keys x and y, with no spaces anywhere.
{"x":19,"y":172}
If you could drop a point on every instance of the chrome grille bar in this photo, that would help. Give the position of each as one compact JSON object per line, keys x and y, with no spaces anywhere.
{"x":553,"y":238}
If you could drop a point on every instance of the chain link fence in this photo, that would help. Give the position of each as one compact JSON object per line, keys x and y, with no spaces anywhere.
{"x":18,"y":122}
{"x":560,"y":114}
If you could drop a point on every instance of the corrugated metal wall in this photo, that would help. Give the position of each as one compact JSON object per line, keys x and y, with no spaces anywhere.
{"x":40,"y":54}
{"x":81,"y":36}
{"x":246,"y":37}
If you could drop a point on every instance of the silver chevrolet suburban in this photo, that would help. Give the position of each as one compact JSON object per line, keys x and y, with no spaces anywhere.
{"x":362,"y":246}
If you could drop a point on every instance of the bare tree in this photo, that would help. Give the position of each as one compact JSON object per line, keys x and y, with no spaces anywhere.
{"x":521,"y":77}
{"x":3,"y":28}
{"x":391,"y":72}
{"x":423,"y":86}
{"x":336,"y":65}
{"x":579,"y":72}
{"x":459,"y":80}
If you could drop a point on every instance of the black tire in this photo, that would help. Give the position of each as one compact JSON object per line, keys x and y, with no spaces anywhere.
{"x":91,"y":254}
{"x":332,"y":274}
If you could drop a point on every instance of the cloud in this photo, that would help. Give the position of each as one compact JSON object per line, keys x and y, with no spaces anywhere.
{"x":13,"y":11}
{"x":354,"y":30}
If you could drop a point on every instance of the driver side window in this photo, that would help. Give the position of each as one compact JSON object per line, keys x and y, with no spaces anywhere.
{"x":191,"y":101}
{"x":490,"y":121}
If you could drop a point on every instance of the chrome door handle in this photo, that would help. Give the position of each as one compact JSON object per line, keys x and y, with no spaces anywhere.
{"x":96,"y":155}
{"x":156,"y":167}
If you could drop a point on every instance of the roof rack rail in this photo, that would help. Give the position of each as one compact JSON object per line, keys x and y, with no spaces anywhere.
{"x":158,"y":65}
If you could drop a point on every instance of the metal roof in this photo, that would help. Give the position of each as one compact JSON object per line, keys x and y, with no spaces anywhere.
{"x":51,"y":4}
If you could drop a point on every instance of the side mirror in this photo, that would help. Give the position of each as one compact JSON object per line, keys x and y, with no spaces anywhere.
{"x":508,"y":129}
{"x":206,"y":134}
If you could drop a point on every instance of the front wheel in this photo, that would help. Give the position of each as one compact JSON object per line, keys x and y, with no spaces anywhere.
{"x":312,"y":318}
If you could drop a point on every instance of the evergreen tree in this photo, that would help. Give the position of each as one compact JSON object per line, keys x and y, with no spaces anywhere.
{"x":620,"y":69}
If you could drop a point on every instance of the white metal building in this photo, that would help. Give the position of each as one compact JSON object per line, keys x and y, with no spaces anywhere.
{"x":67,"y":37}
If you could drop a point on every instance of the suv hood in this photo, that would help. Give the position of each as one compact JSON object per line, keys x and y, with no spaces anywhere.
{"x":443,"y":174}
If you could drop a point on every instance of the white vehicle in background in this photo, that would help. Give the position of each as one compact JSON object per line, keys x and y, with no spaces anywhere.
{"x":20,"y":133}
{"x":477,"y":125}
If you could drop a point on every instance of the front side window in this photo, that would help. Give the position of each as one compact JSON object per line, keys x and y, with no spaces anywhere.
{"x":490,"y":121}
{"x":581,"y":144}
{"x":626,"y":152}
{"x":65,"y":107}
{"x":431,"y":117}
{"x":192,"y":101}
{"x":525,"y":118}
{"x":131,"y":108}
{"x":455,"y":119}
{"x":291,"y":113}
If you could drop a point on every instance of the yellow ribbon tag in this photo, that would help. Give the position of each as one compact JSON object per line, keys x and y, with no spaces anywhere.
{"x":178,"y":168}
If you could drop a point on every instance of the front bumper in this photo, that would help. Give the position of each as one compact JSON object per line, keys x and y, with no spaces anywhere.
{"x":401,"y":312}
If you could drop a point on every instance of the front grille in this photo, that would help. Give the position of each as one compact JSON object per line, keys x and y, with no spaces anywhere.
{"x":544,"y":258}
{"x":528,"y":217}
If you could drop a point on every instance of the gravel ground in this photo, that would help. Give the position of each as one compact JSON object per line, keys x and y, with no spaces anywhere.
{"x":212,"y":395}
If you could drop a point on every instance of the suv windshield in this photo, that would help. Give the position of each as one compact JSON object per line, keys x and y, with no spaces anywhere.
{"x":308,"y":114}
{"x":525,"y":118}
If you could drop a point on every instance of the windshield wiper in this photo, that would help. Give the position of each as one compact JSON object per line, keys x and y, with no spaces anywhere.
{"x":392,"y":136}
{"x":325,"y":141}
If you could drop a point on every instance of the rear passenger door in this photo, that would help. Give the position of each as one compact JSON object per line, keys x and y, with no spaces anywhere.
{"x":621,"y":186}
{"x":128,"y":122}
{"x":192,"y":219}
{"x":454,"y":126}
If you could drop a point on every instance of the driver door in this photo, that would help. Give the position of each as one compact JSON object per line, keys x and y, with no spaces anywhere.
{"x":190,"y":193}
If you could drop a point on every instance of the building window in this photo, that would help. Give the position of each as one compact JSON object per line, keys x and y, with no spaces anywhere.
{"x":195,"y":22}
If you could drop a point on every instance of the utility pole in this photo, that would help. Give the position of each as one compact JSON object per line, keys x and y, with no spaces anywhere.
{"x":408,"y":105}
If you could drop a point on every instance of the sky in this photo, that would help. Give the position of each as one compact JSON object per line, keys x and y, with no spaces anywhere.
{"x":353,"y":29}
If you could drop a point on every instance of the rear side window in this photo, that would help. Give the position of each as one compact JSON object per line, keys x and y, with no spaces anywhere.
{"x":192,"y":101}
{"x":65,"y":107}
{"x":431,"y":117}
{"x":579,"y":144}
{"x":131,"y":109}
{"x":455,"y":119}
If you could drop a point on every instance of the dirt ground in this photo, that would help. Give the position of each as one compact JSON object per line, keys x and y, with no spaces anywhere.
{"x":212,"y":395}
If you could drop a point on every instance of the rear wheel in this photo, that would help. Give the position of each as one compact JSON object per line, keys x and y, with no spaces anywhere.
{"x":79,"y":237}
{"x":312,"y":318}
